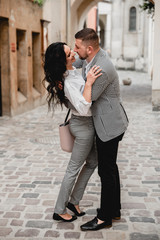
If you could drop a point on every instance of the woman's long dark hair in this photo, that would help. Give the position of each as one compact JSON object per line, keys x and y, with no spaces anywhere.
{"x":54,"y":69}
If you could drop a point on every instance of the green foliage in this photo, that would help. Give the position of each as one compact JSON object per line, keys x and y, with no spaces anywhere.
{"x":39,"y":2}
{"x":148,"y":6}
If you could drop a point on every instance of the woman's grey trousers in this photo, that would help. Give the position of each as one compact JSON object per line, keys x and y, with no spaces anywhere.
{"x":82,"y":163}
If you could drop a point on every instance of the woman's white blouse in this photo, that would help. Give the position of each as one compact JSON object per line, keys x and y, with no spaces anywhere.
{"x":73,"y":89}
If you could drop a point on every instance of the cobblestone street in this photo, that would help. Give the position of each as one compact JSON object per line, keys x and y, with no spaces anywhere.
{"x":32,"y":166}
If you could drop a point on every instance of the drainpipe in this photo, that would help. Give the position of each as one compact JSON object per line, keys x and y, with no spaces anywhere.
{"x":68,"y":21}
{"x":123,"y":25}
{"x":97,"y":19}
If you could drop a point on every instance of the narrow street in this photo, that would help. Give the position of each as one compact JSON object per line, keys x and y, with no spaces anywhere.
{"x":32,"y":166}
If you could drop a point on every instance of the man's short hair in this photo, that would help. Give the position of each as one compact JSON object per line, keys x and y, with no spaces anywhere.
{"x":88,"y":36}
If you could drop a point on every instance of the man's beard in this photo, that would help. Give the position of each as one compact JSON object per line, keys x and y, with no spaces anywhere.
{"x":83,"y":58}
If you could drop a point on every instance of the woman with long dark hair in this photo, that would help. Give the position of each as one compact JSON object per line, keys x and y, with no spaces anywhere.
{"x":65,"y":83}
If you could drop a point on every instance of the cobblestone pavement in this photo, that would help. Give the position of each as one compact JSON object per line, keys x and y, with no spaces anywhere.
{"x":32,"y":166}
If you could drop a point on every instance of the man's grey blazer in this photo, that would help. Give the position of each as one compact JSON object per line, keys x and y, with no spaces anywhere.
{"x":109,"y":116}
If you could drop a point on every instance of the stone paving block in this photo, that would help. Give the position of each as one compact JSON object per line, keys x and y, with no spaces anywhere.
{"x":33,"y":209}
{"x":16,"y":222}
{"x":8,"y":190}
{"x":27,"y":185}
{"x":52,"y":234}
{"x":85,"y":203}
{"x":115,"y":236}
{"x":48,"y":203}
{"x":3,"y":222}
{"x":122,"y":227}
{"x":4,"y":232}
{"x":18,"y":208}
{"x":157,"y":213}
{"x":133,"y":206}
{"x":156,"y":190}
{"x":151,"y":182}
{"x":42,"y":182}
{"x":157,"y":169}
{"x":33,"y":216}
{"x":91,"y":192}
{"x":89,"y":198}
{"x":30,"y":195}
{"x":12,"y":215}
{"x":143,"y":213}
{"x":27,"y":233}
{"x":10,"y":201}
{"x":65,"y":225}
{"x":150,"y":200}
{"x":91,"y":212}
{"x":145,"y":228}
{"x":32,"y":201}
{"x":13,"y":195}
{"x":142,"y":219}
{"x":39,"y":224}
{"x":49,"y":210}
{"x":137,"y":194}
{"x":72,"y":235}
{"x":139,"y":236}
{"x":20,"y":155}
{"x":93,"y":235}
{"x":49,"y":216}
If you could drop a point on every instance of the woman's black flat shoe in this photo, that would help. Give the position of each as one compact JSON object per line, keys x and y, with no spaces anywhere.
{"x":71,"y":207}
{"x":59,"y":218}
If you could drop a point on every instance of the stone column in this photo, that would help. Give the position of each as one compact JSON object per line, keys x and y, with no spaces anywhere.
{"x":156,"y":60}
{"x":64,"y":21}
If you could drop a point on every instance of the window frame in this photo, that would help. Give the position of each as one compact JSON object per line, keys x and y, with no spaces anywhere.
{"x":132,"y":19}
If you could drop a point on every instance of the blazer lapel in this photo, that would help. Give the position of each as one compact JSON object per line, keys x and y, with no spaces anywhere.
{"x":84,"y":71}
{"x":92,"y":64}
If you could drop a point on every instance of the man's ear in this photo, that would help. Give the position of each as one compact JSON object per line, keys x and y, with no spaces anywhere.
{"x":89,"y":49}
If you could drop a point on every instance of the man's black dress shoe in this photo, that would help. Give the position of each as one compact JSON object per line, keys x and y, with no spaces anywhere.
{"x":71,"y":207}
{"x":59,"y":218}
{"x":93,"y":225}
{"x":115,"y":216}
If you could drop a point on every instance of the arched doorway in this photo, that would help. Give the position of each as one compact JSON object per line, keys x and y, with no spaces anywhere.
{"x":78,"y":13}
{"x":101,"y":33}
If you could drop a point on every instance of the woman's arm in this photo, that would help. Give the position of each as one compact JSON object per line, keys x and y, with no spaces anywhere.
{"x":76,"y":98}
{"x":82,"y":103}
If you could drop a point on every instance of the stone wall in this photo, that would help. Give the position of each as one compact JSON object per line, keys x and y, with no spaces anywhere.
{"x":129,"y":48}
{"x":21,"y":63}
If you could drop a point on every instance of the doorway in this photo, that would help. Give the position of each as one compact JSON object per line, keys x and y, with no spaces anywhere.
{"x":21,"y":64}
{"x":0,"y":92}
{"x":36,"y":60}
{"x":4,"y":68}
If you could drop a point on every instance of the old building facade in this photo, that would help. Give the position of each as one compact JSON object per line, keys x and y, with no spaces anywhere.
{"x":21,"y":48}
{"x":126,"y":34}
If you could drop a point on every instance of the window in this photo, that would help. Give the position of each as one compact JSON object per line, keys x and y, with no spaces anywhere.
{"x":132,"y":19}
{"x":22,"y":59}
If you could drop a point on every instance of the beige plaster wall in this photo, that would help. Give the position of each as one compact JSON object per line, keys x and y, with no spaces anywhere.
{"x":156,"y":60}
{"x":28,"y":21}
